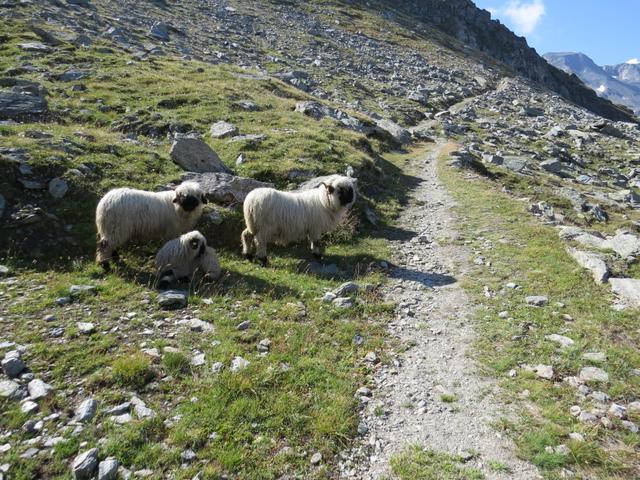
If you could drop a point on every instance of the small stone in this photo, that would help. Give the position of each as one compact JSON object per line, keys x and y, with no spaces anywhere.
{"x":316,"y":458}
{"x":30,"y":453}
{"x":588,"y":374}
{"x":346,"y":289}
{"x":242,"y":326}
{"x":62,"y":301}
{"x":49,"y":318}
{"x":223,"y":129}
{"x":632,"y":427}
{"x":264,"y":345}
{"x":198,"y":360}
{"x":595,"y":357}
{"x":78,"y":290}
{"x":38,"y":389}
{"x":239,"y":363}
{"x":561,"y":340}
{"x":12,"y":364}
{"x":328,"y":297}
{"x":562,"y":450}
{"x":9,"y":389}
{"x":172,"y":299}
{"x":344,"y":302}
{"x":58,"y":188}
{"x":503,"y":314}
{"x":197,"y":325}
{"x":108,"y":469}
{"x":576,"y":437}
{"x":544,"y":371}
{"x":575,"y":410}
{"x":634,"y":407}
{"x":586,"y":417}
{"x":188,"y":456}
{"x":617,"y":410}
{"x":217,"y":367}
{"x":362,"y":428}
{"x":86,"y":410}
{"x":537,"y":300}
{"x":371,"y":357}
{"x":85,"y":464}
{"x":599,"y":396}
{"x":142,"y":411}
{"x":29,"y":407}
{"x":86,"y":328}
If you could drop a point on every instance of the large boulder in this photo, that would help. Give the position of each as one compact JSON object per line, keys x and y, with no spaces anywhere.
{"x":592,"y":262}
{"x":225,"y":188}
{"x":389,"y":128}
{"x":624,"y":244}
{"x":627,"y":290}
{"x":194,"y":155}
{"x":22,"y":100}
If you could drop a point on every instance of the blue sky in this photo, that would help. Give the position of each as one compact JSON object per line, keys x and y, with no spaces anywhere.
{"x":606,"y":30}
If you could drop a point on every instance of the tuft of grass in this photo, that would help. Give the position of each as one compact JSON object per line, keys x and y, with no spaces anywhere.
{"x":416,"y":463}
{"x":498,"y":466}
{"x":448,"y":398}
{"x":132,"y":370}
{"x":176,"y":363}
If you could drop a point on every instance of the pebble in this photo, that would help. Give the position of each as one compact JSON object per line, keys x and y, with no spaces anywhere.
{"x":12,"y":364}
{"x":39,"y":389}
{"x":238,"y":363}
{"x":344,"y":302}
{"x":172,"y":299}
{"x":217,"y":367}
{"x":544,"y":371}
{"x":595,"y":356}
{"x":86,"y":410}
{"x":588,"y":374}
{"x":537,"y":300}
{"x":316,"y":458}
{"x":85,"y":464}
{"x":29,"y":407}
{"x":86,"y":328}
{"x":264,"y":345}
{"x":561,"y":340}
{"x":242,"y":326}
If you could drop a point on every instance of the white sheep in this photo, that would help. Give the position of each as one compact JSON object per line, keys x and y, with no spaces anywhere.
{"x":182,"y":257}
{"x":126,"y":214}
{"x":273,"y":216}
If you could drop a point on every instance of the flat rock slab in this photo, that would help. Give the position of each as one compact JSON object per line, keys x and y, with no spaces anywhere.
{"x":194,"y":155}
{"x":225,"y":188}
{"x":172,"y":299}
{"x":624,"y":244}
{"x":223,"y":129}
{"x":588,"y":374}
{"x":592,"y":262}
{"x":19,"y":105}
{"x":627,"y":290}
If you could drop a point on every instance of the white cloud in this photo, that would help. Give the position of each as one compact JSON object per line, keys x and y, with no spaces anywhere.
{"x":524,"y":16}
{"x":633,"y":61}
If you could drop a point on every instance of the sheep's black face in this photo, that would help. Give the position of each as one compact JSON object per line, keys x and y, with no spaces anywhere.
{"x":202,"y":250}
{"x":345,"y":194}
{"x":188,"y":202}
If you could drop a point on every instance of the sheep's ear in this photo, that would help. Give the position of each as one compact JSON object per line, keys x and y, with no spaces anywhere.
{"x":329,"y":188}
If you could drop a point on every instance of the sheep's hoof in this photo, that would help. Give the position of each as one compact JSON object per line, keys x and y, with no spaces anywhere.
{"x":106,"y":266}
{"x":248,"y":256}
{"x":164,"y":283}
{"x":263,"y":261}
{"x":317,"y":256}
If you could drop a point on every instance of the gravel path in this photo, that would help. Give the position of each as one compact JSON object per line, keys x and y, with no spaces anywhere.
{"x":433,"y":323}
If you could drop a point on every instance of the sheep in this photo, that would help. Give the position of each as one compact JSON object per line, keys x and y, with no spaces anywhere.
{"x":273,"y":216}
{"x":182,"y":257}
{"x":126,"y":214}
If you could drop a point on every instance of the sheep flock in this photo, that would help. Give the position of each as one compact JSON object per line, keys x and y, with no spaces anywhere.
{"x":125,"y":215}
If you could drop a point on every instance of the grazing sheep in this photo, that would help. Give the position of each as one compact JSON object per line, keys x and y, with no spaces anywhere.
{"x":279,"y":217}
{"x":181,"y":257}
{"x":126,"y":214}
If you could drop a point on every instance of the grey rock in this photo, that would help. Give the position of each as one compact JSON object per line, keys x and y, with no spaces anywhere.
{"x":197,"y":325}
{"x":4,"y":271}
{"x":224,"y":188}
{"x":217,"y":367}
{"x":346,"y":288}
{"x":58,"y":188}
{"x":223,"y":129}
{"x":561,"y":340}
{"x":586,"y":417}
{"x":589,"y":374}
{"x":264,"y":345}
{"x":85,"y":464}
{"x":544,"y":371}
{"x":247,"y":106}
{"x":537,"y":300}
{"x":592,"y":262}
{"x":244,"y":325}
{"x":316,"y":458}
{"x":252,"y":139}
{"x":188,"y":456}
{"x":78,"y":290}
{"x":12,"y":364}
{"x":627,"y":290}
{"x":194,"y":155}
{"x":86,"y":328}
{"x":29,"y":407}
{"x":172,"y":299}
{"x":72,"y":75}
{"x":21,"y":104}
{"x":142,"y":411}
{"x":30,"y":453}
{"x":9,"y":389}
{"x":595,"y":356}
{"x":239,"y":363}
{"x":344,"y":302}
{"x":624,"y":244}
{"x":198,"y":360}
{"x":599,"y":396}
{"x":632,"y":427}
{"x":492,"y":159}
{"x":39,"y":389}
{"x":396,"y":132}
{"x":34,"y":47}
{"x":108,"y":469}
{"x":551,"y":166}
{"x":517,"y":164}
{"x":160,"y":31}
{"x":86,"y":410}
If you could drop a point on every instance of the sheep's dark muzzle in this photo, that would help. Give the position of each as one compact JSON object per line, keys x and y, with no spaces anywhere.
{"x":345,"y":194}
{"x":189,"y":203}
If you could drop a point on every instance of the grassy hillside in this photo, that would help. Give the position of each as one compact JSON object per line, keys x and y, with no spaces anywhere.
{"x":262,"y":422}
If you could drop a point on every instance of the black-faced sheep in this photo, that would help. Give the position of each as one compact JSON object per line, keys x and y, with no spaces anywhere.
{"x":180,"y":259}
{"x":273,"y":216}
{"x":126,"y":214}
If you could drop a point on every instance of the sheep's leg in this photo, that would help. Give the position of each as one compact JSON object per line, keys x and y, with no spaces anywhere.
{"x":247,"y":244}
{"x":317,"y":249}
{"x":261,"y":250}
{"x":166,"y":279}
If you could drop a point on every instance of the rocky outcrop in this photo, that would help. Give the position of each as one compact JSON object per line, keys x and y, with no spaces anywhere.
{"x":225,"y":188}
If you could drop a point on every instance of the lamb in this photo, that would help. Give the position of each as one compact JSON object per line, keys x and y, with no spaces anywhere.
{"x":126,"y":214}
{"x":182,"y":257}
{"x":273,"y":216}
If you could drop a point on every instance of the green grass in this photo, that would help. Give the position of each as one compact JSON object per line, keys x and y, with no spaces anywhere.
{"x":448,"y":398}
{"x":416,"y":463}
{"x":301,"y":394}
{"x":530,"y":254}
